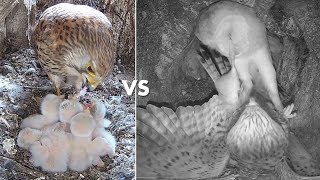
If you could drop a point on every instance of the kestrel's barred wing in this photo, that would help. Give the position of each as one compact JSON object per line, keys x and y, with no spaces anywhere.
{"x":191,"y":142}
{"x":188,"y":143}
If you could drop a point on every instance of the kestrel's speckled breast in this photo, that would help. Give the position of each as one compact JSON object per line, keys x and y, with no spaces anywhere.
{"x":256,"y":140}
{"x":72,"y":30}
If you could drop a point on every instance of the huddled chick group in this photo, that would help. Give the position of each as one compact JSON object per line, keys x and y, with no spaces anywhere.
{"x":67,"y":134}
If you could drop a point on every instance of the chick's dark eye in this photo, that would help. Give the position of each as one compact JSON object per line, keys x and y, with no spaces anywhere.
{"x":89,"y":68}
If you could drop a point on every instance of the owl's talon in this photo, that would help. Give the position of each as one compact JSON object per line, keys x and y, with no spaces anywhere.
{"x":287,"y":112}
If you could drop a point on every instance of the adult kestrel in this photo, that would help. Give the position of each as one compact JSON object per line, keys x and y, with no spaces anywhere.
{"x":74,"y":44}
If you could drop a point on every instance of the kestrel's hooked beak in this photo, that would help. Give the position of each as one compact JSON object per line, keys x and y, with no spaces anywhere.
{"x":91,"y":82}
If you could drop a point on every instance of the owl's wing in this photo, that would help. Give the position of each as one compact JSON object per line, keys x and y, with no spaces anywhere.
{"x":213,"y":62}
{"x":188,"y":143}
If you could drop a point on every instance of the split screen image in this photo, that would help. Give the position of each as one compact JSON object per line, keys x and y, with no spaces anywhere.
{"x":146,"y":89}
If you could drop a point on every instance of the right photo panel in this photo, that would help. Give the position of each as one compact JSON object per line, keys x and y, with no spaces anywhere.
{"x":232,"y":89}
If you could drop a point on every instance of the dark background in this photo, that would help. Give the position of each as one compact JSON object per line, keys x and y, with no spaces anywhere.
{"x":164,"y":29}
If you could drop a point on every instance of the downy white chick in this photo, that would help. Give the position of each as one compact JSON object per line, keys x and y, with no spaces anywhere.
{"x":37,"y":121}
{"x":98,"y":111}
{"x":51,"y":152}
{"x":79,"y":159}
{"x":100,"y":130}
{"x":100,"y":147}
{"x":86,"y":152}
{"x":50,"y":106}
{"x":59,"y":126}
{"x":110,"y":144}
{"x":69,"y":108}
{"x":28,"y":136}
{"x":81,"y":126}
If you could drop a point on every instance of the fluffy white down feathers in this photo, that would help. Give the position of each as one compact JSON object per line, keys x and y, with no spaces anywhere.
{"x":49,"y":108}
{"x":67,"y":136}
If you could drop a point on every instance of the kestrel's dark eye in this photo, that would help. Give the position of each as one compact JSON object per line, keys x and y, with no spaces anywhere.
{"x":90,"y":70}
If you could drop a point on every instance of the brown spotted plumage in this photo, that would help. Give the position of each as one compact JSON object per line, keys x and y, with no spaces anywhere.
{"x":186,"y":144}
{"x":256,"y":140}
{"x":74,"y":43}
{"x":196,"y":142}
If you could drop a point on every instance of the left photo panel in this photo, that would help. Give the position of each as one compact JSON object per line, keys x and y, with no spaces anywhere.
{"x":64,"y":113}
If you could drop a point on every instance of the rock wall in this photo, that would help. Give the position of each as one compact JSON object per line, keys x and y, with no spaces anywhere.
{"x":13,"y":25}
{"x":305,"y":53}
{"x":164,"y":29}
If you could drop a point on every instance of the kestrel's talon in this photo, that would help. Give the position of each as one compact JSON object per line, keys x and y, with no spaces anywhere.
{"x":72,"y":93}
{"x":58,"y":91}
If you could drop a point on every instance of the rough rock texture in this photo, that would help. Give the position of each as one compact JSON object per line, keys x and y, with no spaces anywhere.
{"x":305,"y":14}
{"x":164,"y":29}
{"x":13,"y":25}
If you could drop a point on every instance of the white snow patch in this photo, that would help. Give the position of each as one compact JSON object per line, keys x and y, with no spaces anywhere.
{"x":2,"y":104}
{"x":8,"y":145}
{"x":13,"y":89}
